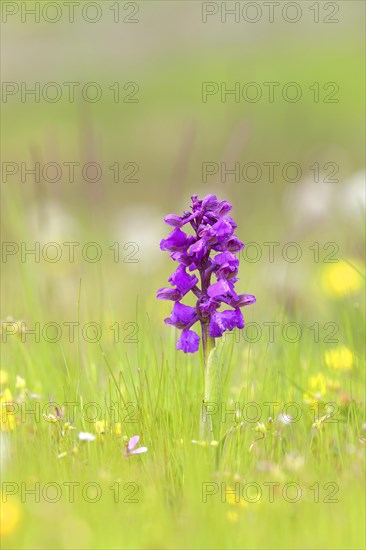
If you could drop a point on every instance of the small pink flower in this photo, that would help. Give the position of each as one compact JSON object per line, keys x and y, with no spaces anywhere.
{"x":129,"y":449}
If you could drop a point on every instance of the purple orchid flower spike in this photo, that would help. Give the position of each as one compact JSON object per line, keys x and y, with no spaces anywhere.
{"x":213,"y":233}
{"x":130,"y":447}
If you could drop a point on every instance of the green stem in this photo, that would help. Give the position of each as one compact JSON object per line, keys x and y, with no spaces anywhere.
{"x":208,"y":343}
{"x":210,"y":419}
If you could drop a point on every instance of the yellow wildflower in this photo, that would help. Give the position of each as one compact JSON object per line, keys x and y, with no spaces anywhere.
{"x":340,"y":279}
{"x":100,"y":427}
{"x":118,"y":429}
{"x":3,"y":377}
{"x":9,"y":517}
{"x":230,"y":499}
{"x":339,"y":358}
{"x":317,"y":383}
{"x":317,"y":388}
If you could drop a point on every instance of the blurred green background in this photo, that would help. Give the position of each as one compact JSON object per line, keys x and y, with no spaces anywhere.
{"x":170,"y":133}
{"x":164,"y":139}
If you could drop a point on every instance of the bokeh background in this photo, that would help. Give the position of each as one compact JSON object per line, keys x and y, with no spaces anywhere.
{"x":170,"y":132}
{"x":161,"y":143}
